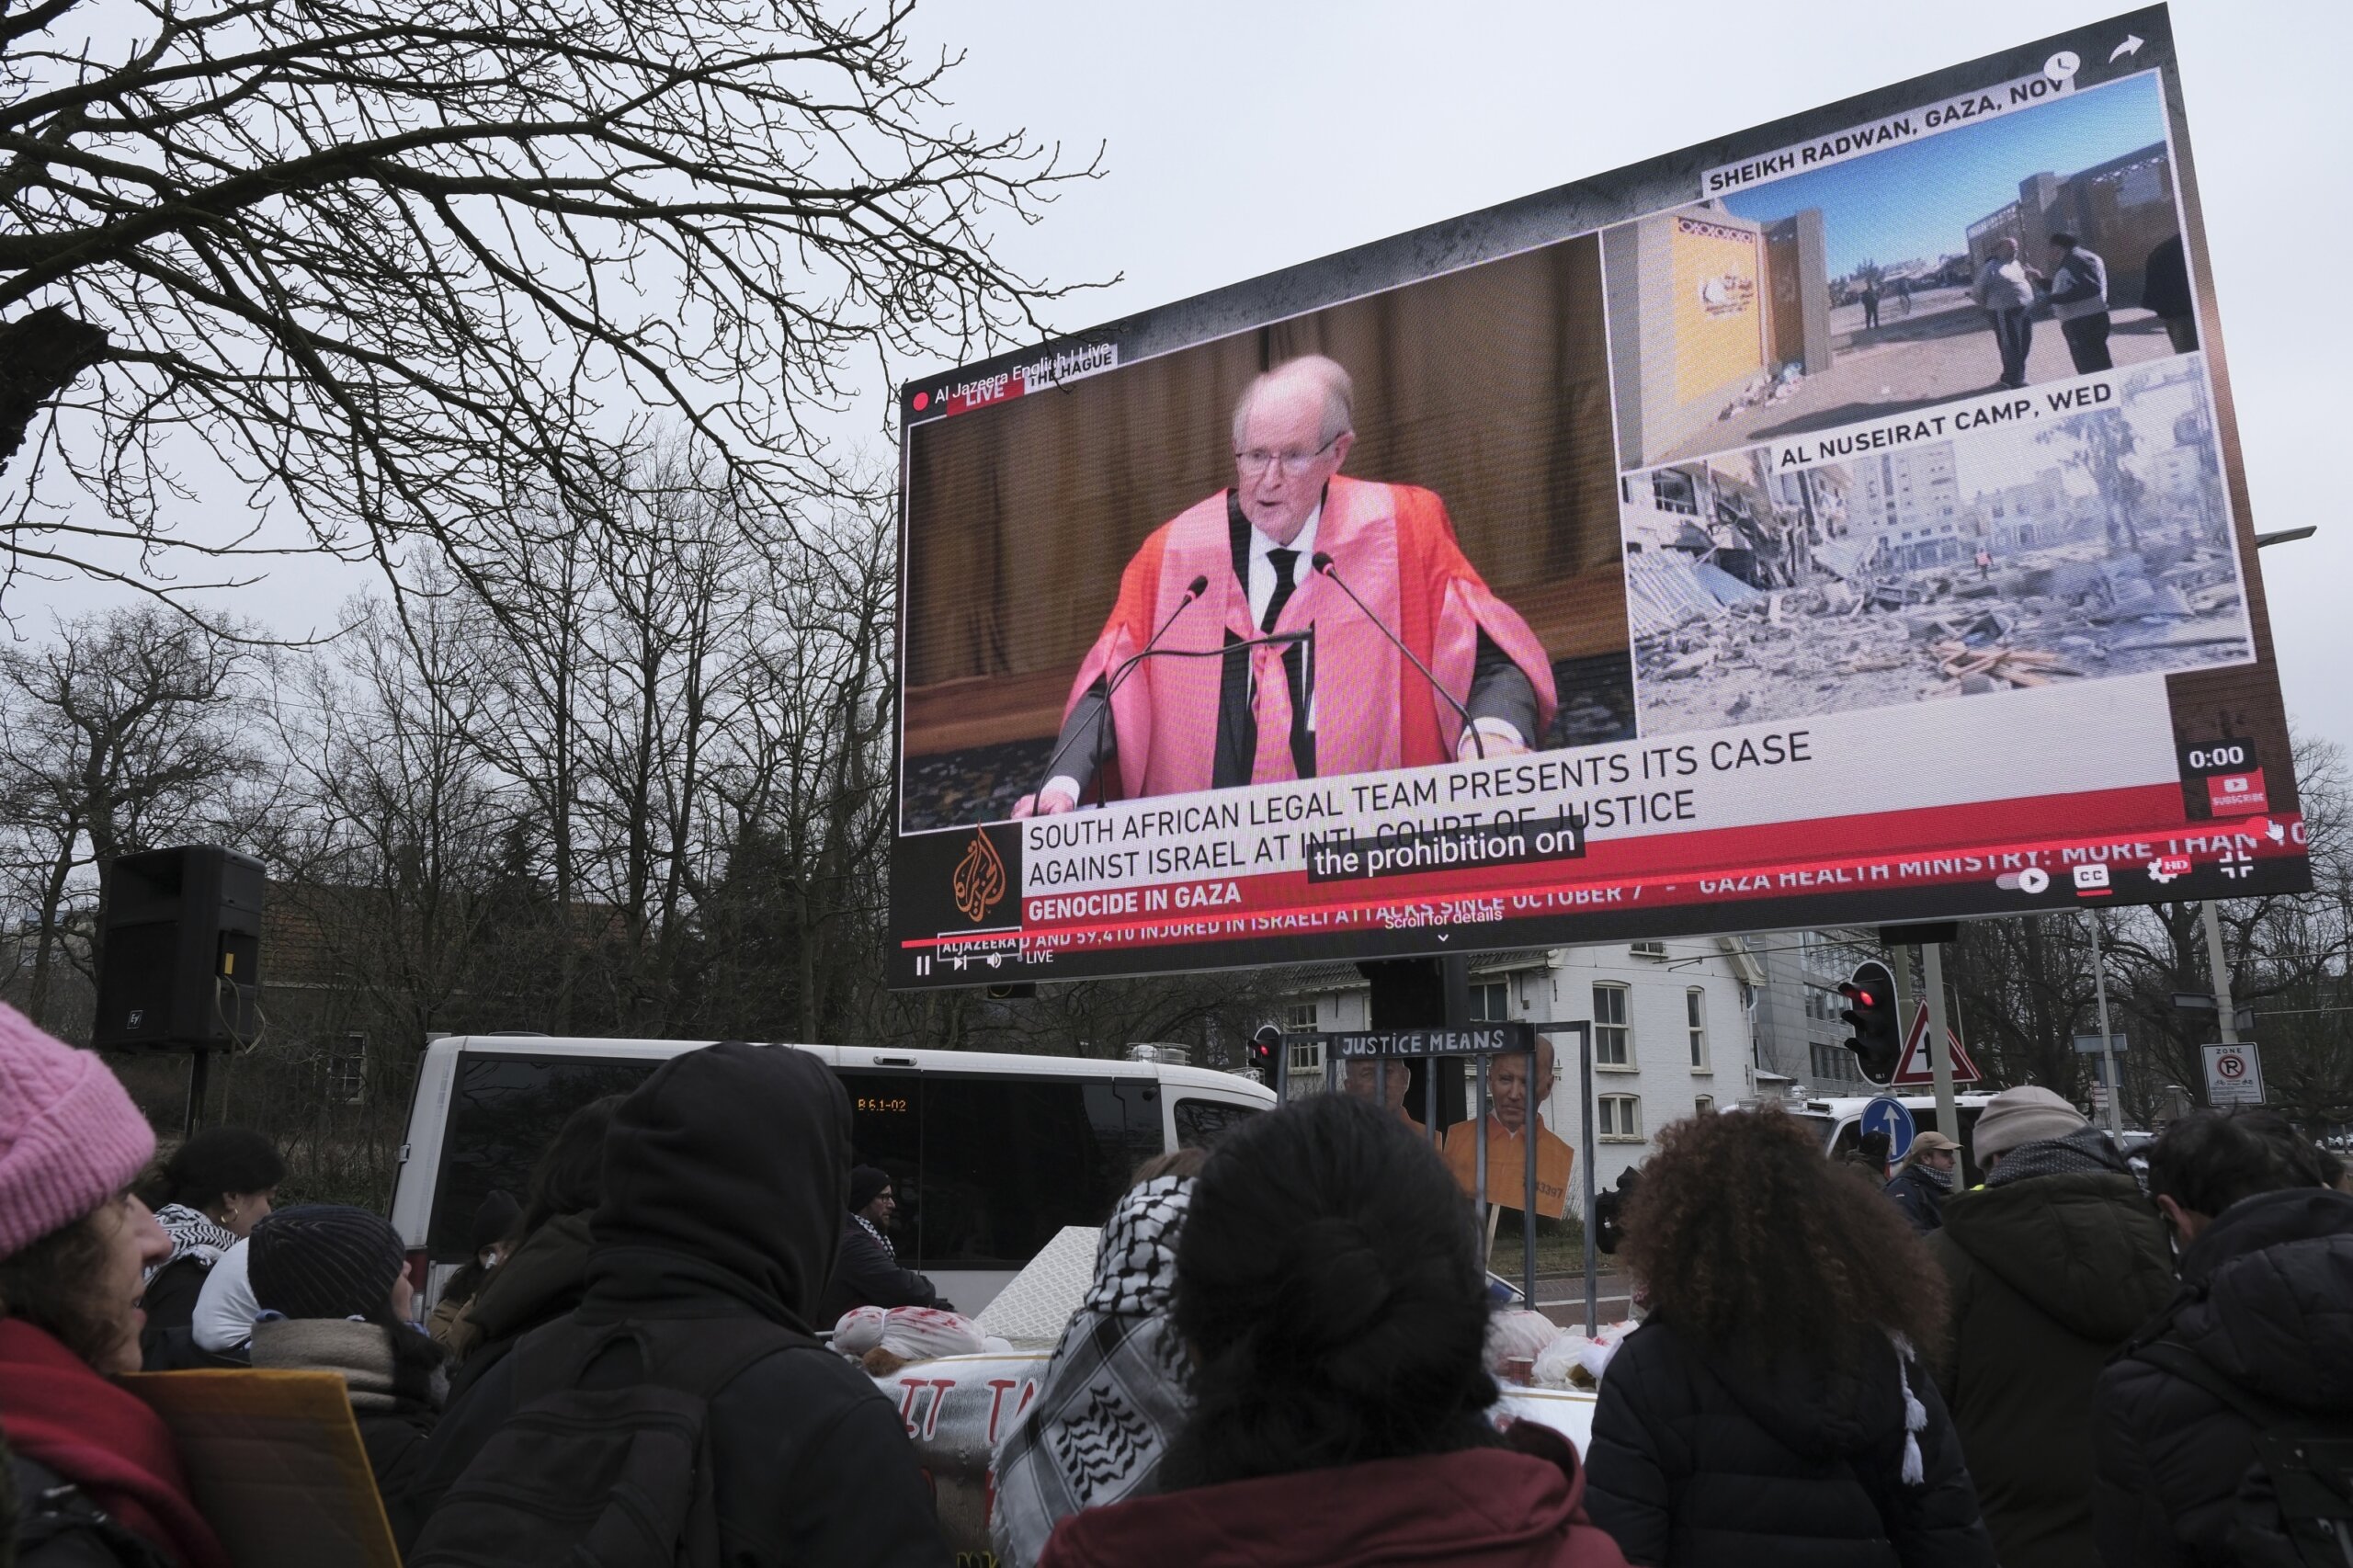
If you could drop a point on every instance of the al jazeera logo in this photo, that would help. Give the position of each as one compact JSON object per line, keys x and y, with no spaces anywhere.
{"x":978,"y":884}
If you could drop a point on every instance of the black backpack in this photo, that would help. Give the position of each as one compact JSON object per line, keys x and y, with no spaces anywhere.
{"x":2295,"y":1506}
{"x":612,"y":1477}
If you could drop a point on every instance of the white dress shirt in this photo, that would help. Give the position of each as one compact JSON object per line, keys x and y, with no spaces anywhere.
{"x":1262,"y":570}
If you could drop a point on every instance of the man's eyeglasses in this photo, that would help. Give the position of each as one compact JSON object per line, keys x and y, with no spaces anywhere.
{"x":1257,"y":460}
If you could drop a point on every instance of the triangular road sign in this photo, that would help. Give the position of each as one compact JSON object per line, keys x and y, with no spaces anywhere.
{"x":1912,"y":1068}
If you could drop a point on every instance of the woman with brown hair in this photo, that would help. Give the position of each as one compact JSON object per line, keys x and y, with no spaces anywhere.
{"x":97,"y":1479}
{"x":1774,"y":1409}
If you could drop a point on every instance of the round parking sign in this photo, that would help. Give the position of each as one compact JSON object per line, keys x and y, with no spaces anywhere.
{"x":2230,"y":1066}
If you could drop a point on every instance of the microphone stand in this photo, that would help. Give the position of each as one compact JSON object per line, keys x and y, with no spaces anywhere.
{"x":1193,"y":591}
{"x":1272,"y":640}
{"x":1323,"y":563}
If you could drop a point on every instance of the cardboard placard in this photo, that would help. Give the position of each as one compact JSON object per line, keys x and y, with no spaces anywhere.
{"x":276,"y":1464}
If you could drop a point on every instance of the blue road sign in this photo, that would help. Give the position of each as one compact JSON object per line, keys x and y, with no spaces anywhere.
{"x":1886,"y":1114}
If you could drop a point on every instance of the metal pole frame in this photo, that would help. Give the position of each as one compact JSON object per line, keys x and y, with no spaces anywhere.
{"x":2226,"y":1012}
{"x":1429,"y":1097}
{"x":1480,"y":1145}
{"x":1584,"y":1158}
{"x":1582,"y":1029}
{"x":1527,"y":1189}
{"x":2106,"y":1040}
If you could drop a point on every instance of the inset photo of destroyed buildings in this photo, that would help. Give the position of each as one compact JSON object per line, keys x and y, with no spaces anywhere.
{"x":2072,"y":547}
{"x":1902,"y":279}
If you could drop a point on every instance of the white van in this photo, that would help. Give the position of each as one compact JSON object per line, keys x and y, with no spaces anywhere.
{"x":1840,"y":1118}
{"x":989,"y":1156}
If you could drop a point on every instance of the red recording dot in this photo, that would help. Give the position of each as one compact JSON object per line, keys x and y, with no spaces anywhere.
{"x":923,"y":401}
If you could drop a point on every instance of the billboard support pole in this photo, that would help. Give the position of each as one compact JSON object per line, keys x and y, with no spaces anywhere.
{"x":1932,"y":959}
{"x":2225,"y":1011}
{"x":2106,"y":1038}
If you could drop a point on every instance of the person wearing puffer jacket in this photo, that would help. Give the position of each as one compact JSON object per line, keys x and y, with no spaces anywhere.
{"x":2266,"y":1305}
{"x":2052,"y":1265}
{"x":1774,"y":1409}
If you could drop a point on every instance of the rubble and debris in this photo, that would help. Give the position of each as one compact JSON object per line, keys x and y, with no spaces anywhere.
{"x":1853,"y":631}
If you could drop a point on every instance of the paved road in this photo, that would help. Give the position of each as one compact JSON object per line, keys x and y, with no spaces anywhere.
{"x":1561,"y":1297}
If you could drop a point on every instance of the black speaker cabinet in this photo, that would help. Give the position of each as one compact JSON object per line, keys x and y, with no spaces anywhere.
{"x":179,"y":957}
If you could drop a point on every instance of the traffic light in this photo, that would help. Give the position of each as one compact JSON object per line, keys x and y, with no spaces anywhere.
{"x":1266,"y":1055}
{"x":1877,"y":1043}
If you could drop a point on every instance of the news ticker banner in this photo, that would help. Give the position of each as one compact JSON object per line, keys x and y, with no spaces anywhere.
{"x":2051,"y":798}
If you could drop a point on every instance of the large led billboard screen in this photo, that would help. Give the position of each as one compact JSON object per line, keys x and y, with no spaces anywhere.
{"x":1838,"y":522}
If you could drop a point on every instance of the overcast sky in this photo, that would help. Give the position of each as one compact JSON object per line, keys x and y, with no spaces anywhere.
{"x":1244,"y":138}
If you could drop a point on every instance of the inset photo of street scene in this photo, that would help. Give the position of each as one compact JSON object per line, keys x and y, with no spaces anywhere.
{"x":2013,"y":252}
{"x":2054,"y":550}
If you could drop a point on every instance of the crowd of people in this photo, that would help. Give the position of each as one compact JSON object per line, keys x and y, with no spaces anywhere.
{"x":1282,"y":1358}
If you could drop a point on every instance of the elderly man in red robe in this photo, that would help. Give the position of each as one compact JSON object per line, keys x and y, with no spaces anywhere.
{"x":1269,"y":663}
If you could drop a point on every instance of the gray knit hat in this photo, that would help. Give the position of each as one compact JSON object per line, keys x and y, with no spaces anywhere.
{"x":2028,"y":1115}
{"x":323,"y":1260}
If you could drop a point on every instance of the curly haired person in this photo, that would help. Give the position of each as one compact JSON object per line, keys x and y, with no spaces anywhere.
{"x":1774,"y":1407}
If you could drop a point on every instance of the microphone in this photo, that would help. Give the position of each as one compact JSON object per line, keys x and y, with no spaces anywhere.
{"x":1322,"y":562}
{"x":1193,"y":591}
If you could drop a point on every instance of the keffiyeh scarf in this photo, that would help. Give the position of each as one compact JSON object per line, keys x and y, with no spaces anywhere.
{"x":1114,"y":1391}
{"x":192,"y":1230}
{"x":880,"y":1239}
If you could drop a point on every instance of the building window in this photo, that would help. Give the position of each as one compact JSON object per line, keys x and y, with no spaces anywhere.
{"x":1489,"y":1004}
{"x":1832,"y":1061}
{"x":1306,"y":1059}
{"x":1695,"y":1014}
{"x":1613,"y":1038}
{"x":348,"y":1069}
{"x":1704,"y":1105}
{"x":1620,"y":1118}
{"x":1299,"y":1017}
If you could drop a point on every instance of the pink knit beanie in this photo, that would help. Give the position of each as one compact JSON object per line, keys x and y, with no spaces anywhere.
{"x":70,"y":1138}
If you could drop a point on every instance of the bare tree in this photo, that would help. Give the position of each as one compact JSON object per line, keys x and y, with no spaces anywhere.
{"x":118,"y":733}
{"x":394,"y":266}
{"x":392,"y":865}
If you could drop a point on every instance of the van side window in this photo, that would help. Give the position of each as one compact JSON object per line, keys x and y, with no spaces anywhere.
{"x":1200,"y":1123}
{"x":504,"y":1110}
{"x":886,"y":1132}
{"x":1009,"y":1161}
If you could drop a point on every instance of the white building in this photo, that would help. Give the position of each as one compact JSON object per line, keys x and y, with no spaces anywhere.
{"x":1910,"y":498}
{"x":1671,"y":1032}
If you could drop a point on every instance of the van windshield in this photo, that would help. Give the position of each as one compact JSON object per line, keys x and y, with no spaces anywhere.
{"x":502,"y":1111}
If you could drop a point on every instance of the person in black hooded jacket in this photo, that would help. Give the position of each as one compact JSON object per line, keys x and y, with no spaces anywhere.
{"x":1774,"y":1409}
{"x":725,"y":1178}
{"x":866,"y":1272}
{"x":2052,"y":1265}
{"x":2266,"y":1303}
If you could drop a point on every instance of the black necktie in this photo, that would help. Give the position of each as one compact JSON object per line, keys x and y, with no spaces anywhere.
{"x":1282,"y":559}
